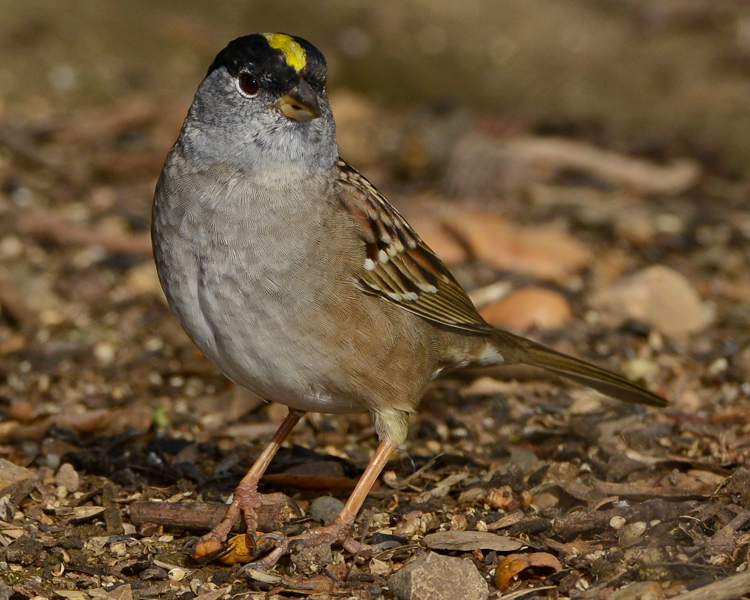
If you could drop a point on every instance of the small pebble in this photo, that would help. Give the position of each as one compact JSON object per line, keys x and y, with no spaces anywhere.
{"x":104,"y":353}
{"x":67,"y":477}
{"x":658,"y":296}
{"x":311,"y":560}
{"x":525,"y":461}
{"x":325,"y":509}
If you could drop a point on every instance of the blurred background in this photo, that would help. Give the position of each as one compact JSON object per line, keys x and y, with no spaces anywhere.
{"x":657,"y":75}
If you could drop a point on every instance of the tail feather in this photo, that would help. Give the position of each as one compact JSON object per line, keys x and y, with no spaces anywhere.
{"x":530,"y":353}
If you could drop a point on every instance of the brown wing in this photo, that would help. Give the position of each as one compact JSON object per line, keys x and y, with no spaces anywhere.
{"x":398,"y":265}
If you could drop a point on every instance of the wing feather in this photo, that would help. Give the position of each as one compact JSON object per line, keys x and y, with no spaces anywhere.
{"x":397,"y":265}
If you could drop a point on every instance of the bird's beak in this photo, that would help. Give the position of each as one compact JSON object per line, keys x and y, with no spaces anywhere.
{"x":299,"y":104}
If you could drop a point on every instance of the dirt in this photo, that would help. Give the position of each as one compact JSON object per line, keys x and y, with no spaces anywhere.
{"x":593,"y":495}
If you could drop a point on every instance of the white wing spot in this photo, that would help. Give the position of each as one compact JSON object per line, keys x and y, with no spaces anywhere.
{"x":411,"y":296}
{"x":395,"y":248}
{"x":369,"y":264}
{"x":383,"y":256}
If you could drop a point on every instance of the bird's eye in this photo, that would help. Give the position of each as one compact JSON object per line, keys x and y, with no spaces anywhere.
{"x":248,"y":84}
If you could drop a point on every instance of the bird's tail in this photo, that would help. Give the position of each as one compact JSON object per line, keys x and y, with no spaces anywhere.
{"x":527,"y":352}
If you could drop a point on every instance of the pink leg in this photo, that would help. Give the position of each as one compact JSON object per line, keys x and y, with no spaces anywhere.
{"x":246,"y":497}
{"x":338,"y":531}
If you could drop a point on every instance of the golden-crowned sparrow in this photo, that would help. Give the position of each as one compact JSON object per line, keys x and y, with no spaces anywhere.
{"x":300,"y":281}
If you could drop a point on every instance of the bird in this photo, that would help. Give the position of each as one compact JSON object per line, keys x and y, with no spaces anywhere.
{"x":299,"y":280}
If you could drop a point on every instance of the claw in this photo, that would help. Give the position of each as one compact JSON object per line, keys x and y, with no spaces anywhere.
{"x":276,"y":536}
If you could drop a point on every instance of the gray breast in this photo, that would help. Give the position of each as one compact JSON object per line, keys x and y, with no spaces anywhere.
{"x":248,"y":290}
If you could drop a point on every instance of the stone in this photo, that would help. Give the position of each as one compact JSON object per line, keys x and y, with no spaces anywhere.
{"x":15,"y":481}
{"x":325,"y":509}
{"x":23,"y":551}
{"x":435,"y":577}
{"x":312,"y":560}
{"x":658,"y":296}
{"x":67,"y":477}
{"x":525,"y":461}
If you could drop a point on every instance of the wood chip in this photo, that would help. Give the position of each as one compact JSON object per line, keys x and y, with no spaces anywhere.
{"x":215,"y":594}
{"x":506,"y":521}
{"x":471,"y":540}
{"x":84,"y":513}
{"x":262,"y":577}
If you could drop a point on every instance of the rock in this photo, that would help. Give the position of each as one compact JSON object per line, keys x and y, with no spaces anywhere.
{"x":15,"y":481}
{"x":658,"y":296}
{"x":23,"y":551}
{"x":525,"y":461}
{"x":67,"y":477}
{"x":529,"y":307}
{"x":325,"y":509}
{"x":435,"y":577}
{"x":312,"y":560}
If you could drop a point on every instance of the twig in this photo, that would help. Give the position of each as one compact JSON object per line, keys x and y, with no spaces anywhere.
{"x":204,"y":515}
{"x":644,"y":176}
{"x":732,"y":587}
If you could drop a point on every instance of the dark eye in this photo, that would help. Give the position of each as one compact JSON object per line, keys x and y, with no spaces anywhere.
{"x":248,"y":84}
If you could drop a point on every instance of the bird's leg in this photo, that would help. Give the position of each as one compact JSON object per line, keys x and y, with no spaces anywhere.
{"x":246,"y":497}
{"x":338,"y":531}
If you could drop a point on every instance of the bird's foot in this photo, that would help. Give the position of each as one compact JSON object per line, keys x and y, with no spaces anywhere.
{"x":244,"y":507}
{"x":338,"y":532}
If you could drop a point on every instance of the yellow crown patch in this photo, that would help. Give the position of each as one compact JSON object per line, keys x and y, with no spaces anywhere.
{"x":294,"y":54}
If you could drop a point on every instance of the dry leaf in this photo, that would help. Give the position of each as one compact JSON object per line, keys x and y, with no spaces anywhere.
{"x":513,"y":565}
{"x":529,"y":307}
{"x":540,"y":251}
